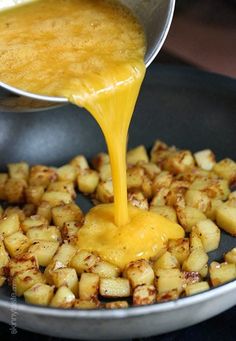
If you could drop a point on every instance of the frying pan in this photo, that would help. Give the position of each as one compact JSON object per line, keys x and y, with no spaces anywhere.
{"x":186,"y":107}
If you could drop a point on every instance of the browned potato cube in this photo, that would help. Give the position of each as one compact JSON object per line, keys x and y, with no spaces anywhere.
{"x":62,"y":186}
{"x":65,"y":254}
{"x":86,"y":304}
{"x":221,"y":273}
{"x":80,"y":163}
{"x":3,"y":180}
{"x":137,"y":199}
{"x":88,"y":181}
{"x":196,"y":288}
{"x":197,"y":199}
{"x":226,"y":169}
{"x":67,"y":173}
{"x":105,"y":192}
{"x":226,"y":219}
{"x":14,"y":190}
{"x":205,"y":159}
{"x":83,"y":261}
{"x":34,"y":194}
{"x":168,"y":296}
{"x":163,"y":179}
{"x":147,"y":187}
{"x":190,"y":277}
{"x":135,"y":177}
{"x":64,"y":298}
{"x":157,"y":148}
{"x":64,"y":213}
{"x":42,"y":176}
{"x":160,"y":198}
{"x":165,"y":211}
{"x":189,"y":216}
{"x":29,"y":210}
{"x":168,"y":280}
{"x":18,"y":171}
{"x":150,"y":169}
{"x":25,"y":280}
{"x":204,"y":271}
{"x":144,"y":294}
{"x":44,"y":251}
{"x":69,"y":231}
{"x":136,"y":155}
{"x":100,"y":160}
{"x":52,"y":266}
{"x":45,"y":210}
{"x":166,"y":261}
{"x":9,"y":225}
{"x":213,"y":187}
{"x":105,"y":172}
{"x":48,"y":233}
{"x":230,"y":257}
{"x":65,"y":277}
{"x":88,"y":286}
{"x":195,"y":241}
{"x":39,"y":293}
{"x":57,"y":198}
{"x":214,"y":205}
{"x":196,"y":260}
{"x":27,"y":261}
{"x":140,"y":272}
{"x":16,"y":244}
{"x":179,"y":162}
{"x":114,"y":287}
{"x":179,"y":248}
{"x":33,"y":221}
{"x":209,"y":234}
{"x":4,"y":258}
{"x":105,"y":269}
{"x":117,"y":305}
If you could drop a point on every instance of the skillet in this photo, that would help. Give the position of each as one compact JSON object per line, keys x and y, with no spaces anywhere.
{"x":183,"y":106}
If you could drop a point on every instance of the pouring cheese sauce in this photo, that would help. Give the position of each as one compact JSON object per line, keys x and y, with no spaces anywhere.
{"x":91,"y":52}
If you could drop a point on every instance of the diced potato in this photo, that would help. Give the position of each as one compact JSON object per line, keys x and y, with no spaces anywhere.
{"x":42,"y":176}
{"x":190,"y":277}
{"x":226,"y":219}
{"x":88,"y":181}
{"x":4,"y":258}
{"x":179,"y":248}
{"x":80,"y":163}
{"x":100,"y":160}
{"x":9,"y":225}
{"x":168,"y":296}
{"x":65,"y":277}
{"x":45,"y":210}
{"x":105,"y":172}
{"x":114,"y":287}
{"x":214,"y":205}
{"x":65,"y":254}
{"x":136,"y":155}
{"x":144,"y":294}
{"x":86,"y":304}
{"x":88,"y":286}
{"x":48,"y":233}
{"x":34,"y":194}
{"x":197,"y":199}
{"x":222,"y":273}
{"x":196,"y":260}
{"x":19,"y":171}
{"x":27,"y":261}
{"x":16,"y":244}
{"x":105,"y":269}
{"x":33,"y":221}
{"x":196,"y":288}
{"x":12,"y":210}
{"x":140,"y":272}
{"x":209,"y":234}
{"x":179,"y":162}
{"x":25,"y":280}
{"x":117,"y":305}
{"x":213,"y":187}
{"x":14,"y":190}
{"x":44,"y":251}
{"x":189,"y":216}
{"x":166,"y":261}
{"x":204,"y":271}
{"x":226,"y":169}
{"x":29,"y":210}
{"x":168,"y":280}
{"x":64,"y":213}
{"x":39,"y":293}
{"x":83,"y":261}
{"x":69,"y":231}
{"x":160,"y":198}
{"x":230,"y":257}
{"x":135,"y":177}
{"x":105,"y":192}
{"x":137,"y":199}
{"x":158,"y":149}
{"x":205,"y":159}
{"x":64,"y":298}
{"x":150,"y":169}
{"x":52,"y":266}
{"x":195,"y":240}
{"x":57,"y":198}
{"x":62,"y":186}
{"x":165,"y":211}
{"x":175,"y":198}
{"x":67,"y":173}
{"x":147,"y":187}
{"x":163,"y":179}
{"x":3,"y":180}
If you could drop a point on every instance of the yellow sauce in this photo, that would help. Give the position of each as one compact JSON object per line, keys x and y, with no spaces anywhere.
{"x":91,"y":52}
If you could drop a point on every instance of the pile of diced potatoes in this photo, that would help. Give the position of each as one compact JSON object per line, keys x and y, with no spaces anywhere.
{"x":39,"y":222}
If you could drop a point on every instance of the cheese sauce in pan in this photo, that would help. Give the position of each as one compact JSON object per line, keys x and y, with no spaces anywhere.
{"x":91,"y":52}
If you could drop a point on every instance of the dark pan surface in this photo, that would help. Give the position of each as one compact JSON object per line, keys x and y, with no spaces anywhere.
{"x":182,"y":106}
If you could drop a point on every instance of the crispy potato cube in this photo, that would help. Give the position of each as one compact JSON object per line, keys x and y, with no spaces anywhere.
{"x":167,"y":296}
{"x":18,"y":171}
{"x":226,"y":169}
{"x":42,"y":176}
{"x":44,"y":251}
{"x":40,"y":294}
{"x":62,"y":186}
{"x":209,"y":234}
{"x":105,"y":172}
{"x":204,"y":271}
{"x":69,"y":231}
{"x":64,"y":298}
{"x":147,"y":187}
{"x":195,"y":240}
{"x":144,"y":294}
{"x":158,"y":149}
{"x":67,"y":173}
{"x":3,"y":180}
{"x":196,"y":288}
{"x":179,"y":162}
{"x":135,"y":177}
{"x":137,"y":199}
{"x":213,"y":187}
{"x":100,"y":160}
{"x":189,"y":216}
{"x":165,"y":211}
{"x":166,"y":261}
{"x":83,"y":261}
{"x":34,"y":194}
{"x":9,"y":225}
{"x":114,"y":287}
{"x":16,"y":244}
{"x":52,"y":266}
{"x":196,"y":260}
{"x":45,"y":210}
{"x":190,"y":277}
{"x":64,"y":213}
{"x":214,"y":205}
{"x":230,"y":256}
{"x":48,"y":233}
{"x":88,"y":181}
{"x":117,"y":305}
{"x":197,"y":199}
{"x":2,"y":280}
{"x":150,"y":169}
{"x":88,"y":286}
{"x":86,"y":304}
{"x":222,"y":273}
{"x":226,"y":219}
{"x":136,"y":155}
{"x":105,"y":192}
{"x":105,"y":269}
{"x":80,"y":163}
{"x":66,"y":277}
{"x":27,"y":261}
{"x":22,"y":281}
{"x":175,"y":198}
{"x":163,"y":179}
{"x":168,"y":280}
{"x":4,"y":258}
{"x":57,"y":198}
{"x":140,"y":272}
{"x":65,"y":254}
{"x":33,"y":221}
{"x":160,"y":198}
{"x":179,"y":248}
{"x":205,"y":159}
{"x":14,"y":190}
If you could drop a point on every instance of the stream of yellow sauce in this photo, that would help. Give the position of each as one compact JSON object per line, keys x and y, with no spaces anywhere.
{"x":91,"y":52}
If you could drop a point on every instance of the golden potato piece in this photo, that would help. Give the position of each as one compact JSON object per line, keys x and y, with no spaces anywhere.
{"x":64,"y":298}
{"x":65,"y":277}
{"x":139,"y":272}
{"x":226,"y":169}
{"x":83,"y":261}
{"x":196,"y":260}
{"x":189,"y":216}
{"x":9,"y":225}
{"x":44,"y":251}
{"x":25,"y":280}
{"x":166,"y":261}
{"x":105,"y":269}
{"x":205,"y":159}
{"x":196,"y":288}
{"x":117,"y":305}
{"x":226,"y":219}
{"x":209,"y":234}
{"x":179,"y":248}
{"x":17,"y":243}
{"x":67,"y":173}
{"x":18,"y":171}
{"x":64,"y":213}
{"x":165,"y":211}
{"x":222,"y":272}
{"x":114,"y":287}
{"x":230,"y":256}
{"x":136,"y":155}
{"x":168,"y":280}
{"x":88,"y":181}
{"x":88,"y":286}
{"x":39,"y":293}
{"x":144,"y":294}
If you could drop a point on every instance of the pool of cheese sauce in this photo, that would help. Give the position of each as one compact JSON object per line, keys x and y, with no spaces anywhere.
{"x":91,"y":52}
